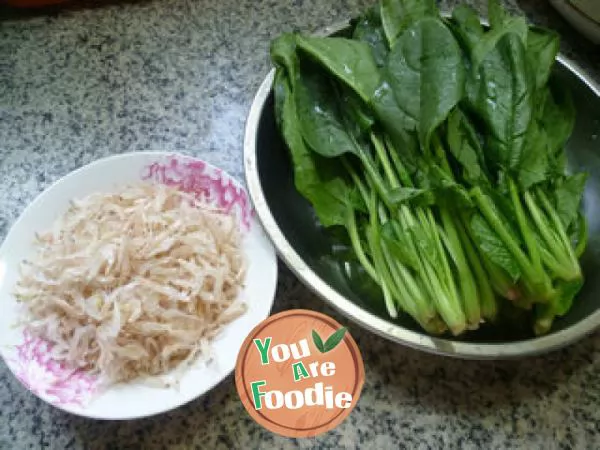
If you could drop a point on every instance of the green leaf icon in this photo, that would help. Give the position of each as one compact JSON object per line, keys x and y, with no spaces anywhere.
{"x":331,"y":343}
{"x":333,"y":340}
{"x":318,"y":341}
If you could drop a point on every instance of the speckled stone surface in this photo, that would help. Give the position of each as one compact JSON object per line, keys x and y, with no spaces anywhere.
{"x":86,"y":82}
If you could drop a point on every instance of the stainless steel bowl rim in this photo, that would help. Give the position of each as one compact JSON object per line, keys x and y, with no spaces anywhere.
{"x":378,"y":325}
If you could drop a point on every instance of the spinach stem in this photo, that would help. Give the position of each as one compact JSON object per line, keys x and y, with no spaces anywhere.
{"x":441,"y":155}
{"x":468,"y":287}
{"x":426,"y":307}
{"x":526,"y":232}
{"x":446,"y":306}
{"x":412,"y":299}
{"x":423,"y":307}
{"x":381,"y":153}
{"x":383,"y":272}
{"x":377,"y":272}
{"x":559,"y":228}
{"x":357,"y":246}
{"x":356,"y":179}
{"x":560,"y":270}
{"x":399,"y":166}
{"x":374,"y":241}
{"x":483,"y":203}
{"x":374,"y":176}
{"x":443,"y":256}
{"x":544,"y":317}
{"x":557,"y":253}
{"x":404,"y":299}
{"x":445,"y":281}
{"x":487,"y":299}
{"x":500,"y":280}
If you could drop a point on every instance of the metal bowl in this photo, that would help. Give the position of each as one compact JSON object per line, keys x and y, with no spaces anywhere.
{"x":307,"y":248}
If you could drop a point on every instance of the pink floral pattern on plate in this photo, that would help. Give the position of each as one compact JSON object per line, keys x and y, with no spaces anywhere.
{"x":50,"y":379}
{"x":196,"y":177}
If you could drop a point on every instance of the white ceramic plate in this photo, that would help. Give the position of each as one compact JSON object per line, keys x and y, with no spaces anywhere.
{"x":584,"y":15}
{"x":28,"y":358}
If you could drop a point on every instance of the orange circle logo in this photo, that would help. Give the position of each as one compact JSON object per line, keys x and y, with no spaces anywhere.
{"x":299,"y":373}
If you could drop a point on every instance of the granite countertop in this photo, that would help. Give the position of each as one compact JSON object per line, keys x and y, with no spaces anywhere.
{"x":179,"y":75}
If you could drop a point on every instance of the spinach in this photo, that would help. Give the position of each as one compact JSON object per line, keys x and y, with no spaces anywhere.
{"x":542,"y":48}
{"x":500,"y":85}
{"x":493,"y":247}
{"x":466,"y":26}
{"x":447,"y":191}
{"x":465,"y":147}
{"x":557,"y":119}
{"x":467,"y":29}
{"x":534,"y":164}
{"x":329,"y":194}
{"x":414,"y":196}
{"x":283,"y":54}
{"x":398,"y":15}
{"x":319,"y":115}
{"x":396,"y":121}
{"x":503,"y":102}
{"x":399,"y":244}
{"x":568,"y":194}
{"x":517,"y":27}
{"x":497,"y":15}
{"x":438,"y":147}
{"x":357,"y":114}
{"x":426,"y":74}
{"x":369,"y":29}
{"x":350,"y":61}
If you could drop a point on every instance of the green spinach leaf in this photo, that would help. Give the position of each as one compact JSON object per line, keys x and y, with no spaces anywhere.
{"x":358,"y":116}
{"x":557,"y":120}
{"x":468,"y":30}
{"x":500,"y":90}
{"x":314,"y":178}
{"x":395,"y":119}
{"x":320,"y":119}
{"x":464,"y":145}
{"x":399,"y":244}
{"x":503,"y":102}
{"x":368,"y":29}
{"x":447,"y":191}
{"x":413,"y":196}
{"x":515,"y":26}
{"x":283,"y":55}
{"x":398,"y":15}
{"x":568,"y":196}
{"x":497,"y":15}
{"x":331,"y":201}
{"x":542,"y":48}
{"x":466,"y":26}
{"x":305,"y":172}
{"x":535,"y":162}
{"x":350,"y":61}
{"x":492,"y":246}
{"x":425,"y":71}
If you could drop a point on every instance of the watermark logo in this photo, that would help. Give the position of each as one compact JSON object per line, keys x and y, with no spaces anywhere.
{"x":299,"y":373}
